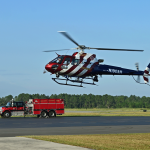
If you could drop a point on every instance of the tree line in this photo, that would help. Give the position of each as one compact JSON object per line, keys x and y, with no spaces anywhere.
{"x":86,"y":101}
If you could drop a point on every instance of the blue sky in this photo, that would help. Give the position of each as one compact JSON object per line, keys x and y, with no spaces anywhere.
{"x":29,"y":27}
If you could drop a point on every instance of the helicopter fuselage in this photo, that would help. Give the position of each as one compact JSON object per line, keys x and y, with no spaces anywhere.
{"x":85,"y":64}
{"x":79,"y":65}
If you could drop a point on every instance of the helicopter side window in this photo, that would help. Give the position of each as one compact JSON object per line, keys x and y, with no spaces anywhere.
{"x":75,"y":61}
{"x":67,"y":61}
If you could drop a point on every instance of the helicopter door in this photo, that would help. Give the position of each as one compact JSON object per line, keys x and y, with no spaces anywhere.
{"x":66,"y":63}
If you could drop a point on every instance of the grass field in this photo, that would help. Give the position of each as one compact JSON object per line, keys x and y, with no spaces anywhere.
{"x":107,"y":112}
{"x":140,"y":141}
{"x":104,"y":112}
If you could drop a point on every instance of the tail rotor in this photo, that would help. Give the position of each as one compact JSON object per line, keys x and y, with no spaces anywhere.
{"x":137,"y":67}
{"x":146,"y":74}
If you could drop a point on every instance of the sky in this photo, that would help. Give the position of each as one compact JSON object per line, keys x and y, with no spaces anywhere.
{"x":27,"y":28}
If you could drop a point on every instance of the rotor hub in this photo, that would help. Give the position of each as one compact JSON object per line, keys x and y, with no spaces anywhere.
{"x":82,"y":47}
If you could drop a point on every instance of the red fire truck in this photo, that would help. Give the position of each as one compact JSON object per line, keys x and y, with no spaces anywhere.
{"x":43,"y":108}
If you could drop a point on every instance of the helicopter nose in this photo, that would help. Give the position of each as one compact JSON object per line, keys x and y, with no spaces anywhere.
{"x":48,"y":67}
{"x":51,"y":67}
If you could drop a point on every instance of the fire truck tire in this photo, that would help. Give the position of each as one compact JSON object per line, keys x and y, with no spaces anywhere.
{"x":43,"y":114}
{"x":52,"y":113}
{"x":6,"y":114}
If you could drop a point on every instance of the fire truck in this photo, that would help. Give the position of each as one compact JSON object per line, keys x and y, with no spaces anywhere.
{"x":42,"y":108}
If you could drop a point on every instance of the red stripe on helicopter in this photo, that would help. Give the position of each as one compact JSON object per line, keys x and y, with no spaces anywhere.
{"x":72,"y":68}
{"x":81,"y":59}
{"x":85,"y":65}
{"x":68,"y":71}
{"x":145,"y":79}
{"x":145,"y":71}
{"x":88,"y":72}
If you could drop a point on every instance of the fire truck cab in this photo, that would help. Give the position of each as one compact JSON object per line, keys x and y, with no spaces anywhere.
{"x":43,"y":108}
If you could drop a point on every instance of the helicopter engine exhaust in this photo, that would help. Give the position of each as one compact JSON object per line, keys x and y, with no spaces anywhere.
{"x":100,"y":60}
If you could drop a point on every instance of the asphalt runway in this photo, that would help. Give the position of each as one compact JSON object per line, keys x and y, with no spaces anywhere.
{"x":73,"y":125}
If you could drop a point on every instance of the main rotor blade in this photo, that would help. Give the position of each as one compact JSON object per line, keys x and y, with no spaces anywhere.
{"x":68,"y":36}
{"x":58,"y":50}
{"x":113,"y":49}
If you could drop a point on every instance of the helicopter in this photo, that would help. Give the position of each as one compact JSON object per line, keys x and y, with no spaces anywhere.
{"x":80,"y":66}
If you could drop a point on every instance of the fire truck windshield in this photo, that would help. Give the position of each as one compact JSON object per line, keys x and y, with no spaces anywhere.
{"x":8,"y":104}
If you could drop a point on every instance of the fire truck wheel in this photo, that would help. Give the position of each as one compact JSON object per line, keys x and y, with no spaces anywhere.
{"x":52,"y":114}
{"x":43,"y":114}
{"x":6,"y":114}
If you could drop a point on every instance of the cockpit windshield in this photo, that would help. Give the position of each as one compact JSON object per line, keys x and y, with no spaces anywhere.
{"x":58,"y":59}
{"x":8,"y":104}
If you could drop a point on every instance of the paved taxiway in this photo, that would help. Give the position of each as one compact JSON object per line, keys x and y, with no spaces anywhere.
{"x":21,"y":143}
{"x":73,"y":125}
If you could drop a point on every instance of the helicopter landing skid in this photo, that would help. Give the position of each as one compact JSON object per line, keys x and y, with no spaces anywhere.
{"x":81,"y":82}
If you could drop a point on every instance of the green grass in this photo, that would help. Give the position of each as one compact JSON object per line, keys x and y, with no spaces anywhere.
{"x":140,"y":141}
{"x":103,"y":112}
{"x":107,"y":112}
{"x":106,"y":109}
